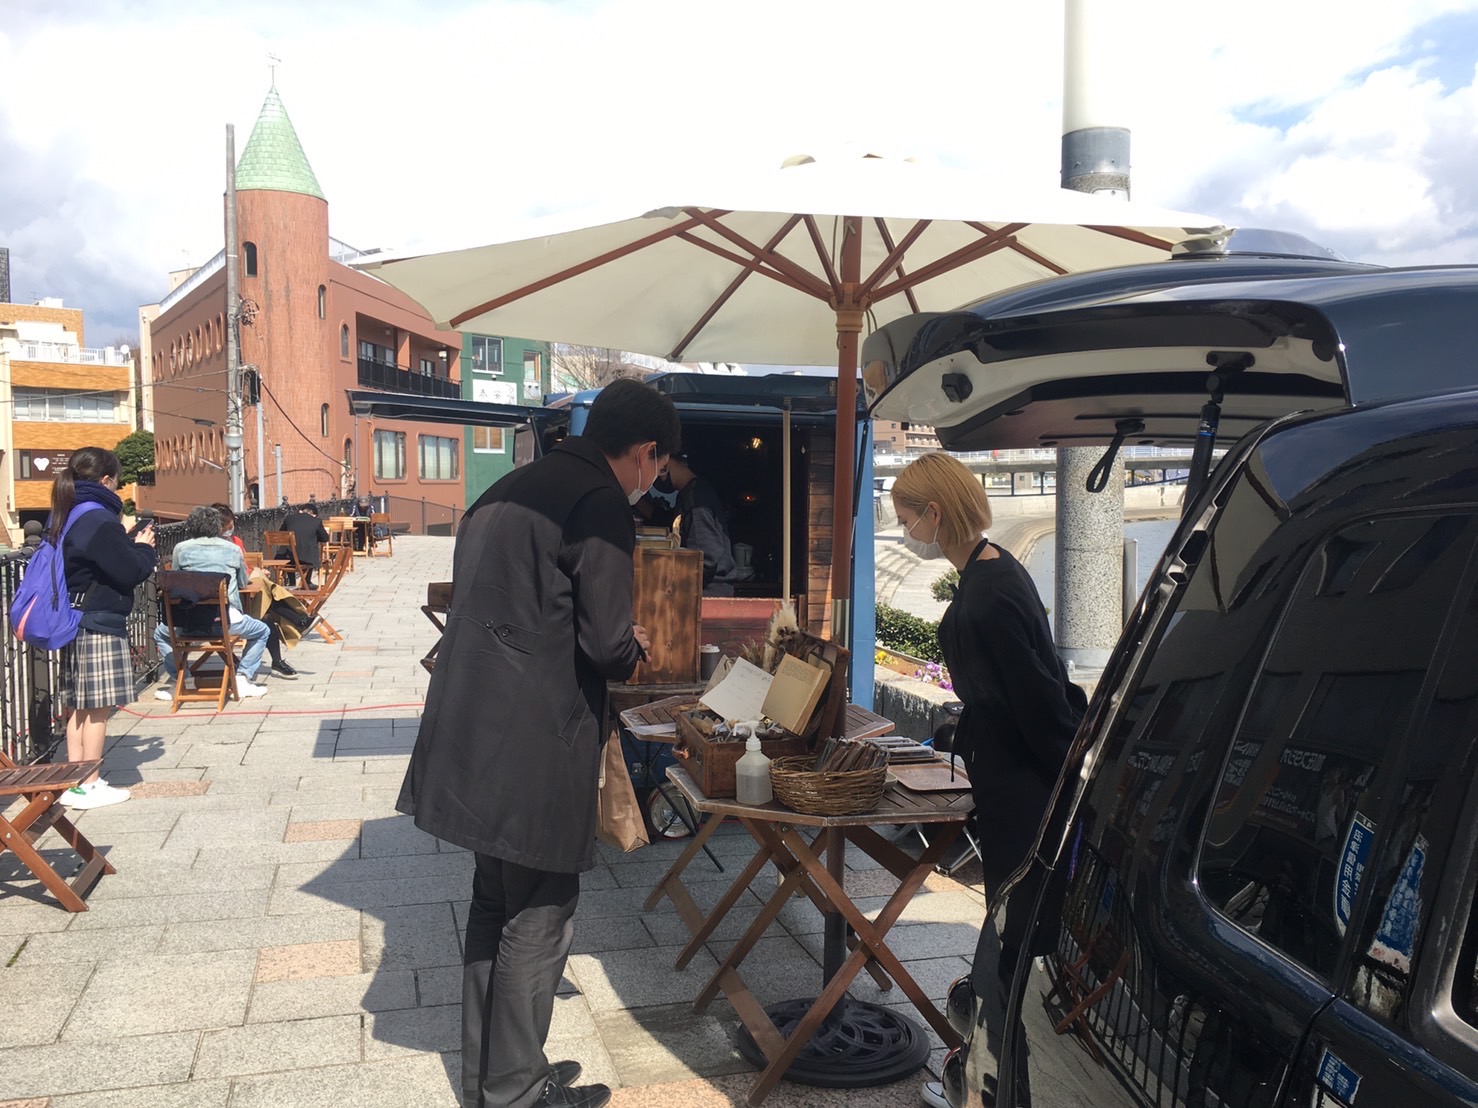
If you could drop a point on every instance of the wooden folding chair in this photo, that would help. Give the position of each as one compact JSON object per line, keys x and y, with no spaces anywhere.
{"x":42,"y":786}
{"x":197,"y":613}
{"x":279,"y":541}
{"x":329,"y":577}
{"x":438,"y":604}
{"x":254,"y":559}
{"x":340,"y":533}
{"x":375,"y":536}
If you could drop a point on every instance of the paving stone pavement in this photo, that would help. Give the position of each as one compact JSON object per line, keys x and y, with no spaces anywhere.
{"x":277,"y":935}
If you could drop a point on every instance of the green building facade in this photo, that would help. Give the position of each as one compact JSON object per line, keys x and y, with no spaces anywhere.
{"x":502,"y":371}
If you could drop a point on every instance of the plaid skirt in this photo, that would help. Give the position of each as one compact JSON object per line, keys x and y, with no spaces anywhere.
{"x":96,"y":671}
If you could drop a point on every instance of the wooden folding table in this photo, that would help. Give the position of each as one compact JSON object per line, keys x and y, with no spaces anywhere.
{"x":777,"y":831}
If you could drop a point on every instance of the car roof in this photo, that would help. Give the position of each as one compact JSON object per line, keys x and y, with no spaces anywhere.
{"x":1065,"y":362}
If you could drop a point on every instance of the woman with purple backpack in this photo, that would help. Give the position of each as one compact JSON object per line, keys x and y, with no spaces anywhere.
{"x":103,"y":564}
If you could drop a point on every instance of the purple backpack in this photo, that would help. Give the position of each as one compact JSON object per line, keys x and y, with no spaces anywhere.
{"x":41,"y":613}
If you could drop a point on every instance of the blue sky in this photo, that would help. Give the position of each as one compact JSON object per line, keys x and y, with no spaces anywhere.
{"x":1352,"y":122}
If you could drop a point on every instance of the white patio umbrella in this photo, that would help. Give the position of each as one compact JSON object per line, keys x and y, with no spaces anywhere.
{"x":786,"y":267}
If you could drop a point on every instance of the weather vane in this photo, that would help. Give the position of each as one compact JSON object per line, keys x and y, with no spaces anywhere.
{"x":273,"y":61}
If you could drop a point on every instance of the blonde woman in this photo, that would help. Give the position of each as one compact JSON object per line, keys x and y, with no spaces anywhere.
{"x":1020,"y":709}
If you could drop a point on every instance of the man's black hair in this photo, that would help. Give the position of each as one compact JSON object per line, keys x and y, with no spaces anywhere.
{"x":628,"y":412}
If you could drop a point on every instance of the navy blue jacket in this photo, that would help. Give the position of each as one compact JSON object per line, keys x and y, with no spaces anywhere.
{"x":104,"y":566}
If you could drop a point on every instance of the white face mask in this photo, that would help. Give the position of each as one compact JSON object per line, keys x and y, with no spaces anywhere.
{"x":925,"y":550}
{"x":641,"y":489}
{"x":228,"y":532}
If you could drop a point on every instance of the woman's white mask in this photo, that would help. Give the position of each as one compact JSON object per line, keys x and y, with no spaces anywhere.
{"x":925,"y":550}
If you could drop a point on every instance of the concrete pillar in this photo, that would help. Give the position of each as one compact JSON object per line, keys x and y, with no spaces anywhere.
{"x":1088,"y":611}
{"x":1087,"y":615}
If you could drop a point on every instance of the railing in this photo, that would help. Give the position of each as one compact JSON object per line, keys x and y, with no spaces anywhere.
{"x":70,"y":355}
{"x":341,"y":252}
{"x":32,"y":715}
{"x":378,"y":375}
{"x":190,"y":283}
{"x":433,"y":518}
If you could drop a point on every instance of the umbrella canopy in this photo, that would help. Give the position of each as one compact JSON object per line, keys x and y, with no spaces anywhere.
{"x":787,"y":267}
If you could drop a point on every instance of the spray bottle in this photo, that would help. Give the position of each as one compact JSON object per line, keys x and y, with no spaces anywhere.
{"x":752,"y":773}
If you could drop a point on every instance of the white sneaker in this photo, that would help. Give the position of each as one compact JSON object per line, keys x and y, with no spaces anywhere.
{"x":94,"y":794}
{"x":245,"y":688}
{"x":165,"y":692}
{"x":932,"y":1094}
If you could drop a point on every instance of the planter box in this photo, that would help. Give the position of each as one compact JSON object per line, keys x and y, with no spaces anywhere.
{"x":905,"y":664}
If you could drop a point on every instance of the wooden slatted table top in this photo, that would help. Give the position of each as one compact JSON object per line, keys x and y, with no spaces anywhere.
{"x":898,"y":805}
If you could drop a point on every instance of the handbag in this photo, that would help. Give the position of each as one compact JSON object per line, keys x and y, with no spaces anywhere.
{"x":619,"y":821}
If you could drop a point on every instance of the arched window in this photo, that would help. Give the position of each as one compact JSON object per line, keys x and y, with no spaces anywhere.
{"x":249,"y":259}
{"x":344,"y":341}
{"x":322,"y":301}
{"x":323,"y":421}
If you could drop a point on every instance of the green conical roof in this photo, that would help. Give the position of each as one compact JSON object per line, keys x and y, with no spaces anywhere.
{"x":273,"y":158}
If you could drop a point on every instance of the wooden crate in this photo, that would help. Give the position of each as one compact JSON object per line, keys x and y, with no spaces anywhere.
{"x":711,"y":764}
{"x":667,"y":595}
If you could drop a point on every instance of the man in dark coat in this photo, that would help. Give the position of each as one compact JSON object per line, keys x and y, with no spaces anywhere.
{"x":508,"y":755}
{"x":309,"y":536}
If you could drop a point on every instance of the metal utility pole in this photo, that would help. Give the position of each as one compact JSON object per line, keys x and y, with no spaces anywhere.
{"x":256,"y":377}
{"x":1087,"y":612}
{"x":235,"y":463}
{"x":277,"y":451}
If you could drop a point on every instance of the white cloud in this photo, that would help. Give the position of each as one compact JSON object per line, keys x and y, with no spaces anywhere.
{"x":435,"y":123}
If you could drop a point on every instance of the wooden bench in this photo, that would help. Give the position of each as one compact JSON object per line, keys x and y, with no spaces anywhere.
{"x":42,"y":786}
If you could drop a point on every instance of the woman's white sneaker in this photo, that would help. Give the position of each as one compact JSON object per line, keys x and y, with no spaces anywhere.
{"x":245,"y":688}
{"x":94,"y":794}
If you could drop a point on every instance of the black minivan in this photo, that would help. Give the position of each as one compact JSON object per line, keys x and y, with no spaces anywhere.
{"x":1256,"y":882}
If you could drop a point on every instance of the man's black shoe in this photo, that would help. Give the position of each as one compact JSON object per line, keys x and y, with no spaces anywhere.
{"x":282,"y":669}
{"x":581,"y":1096}
{"x":564,"y":1073}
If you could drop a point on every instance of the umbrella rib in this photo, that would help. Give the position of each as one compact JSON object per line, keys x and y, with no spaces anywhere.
{"x":894,"y":260}
{"x":825,"y":258}
{"x":746,"y":269}
{"x":961,"y":257}
{"x":1132,"y":235}
{"x":807,"y":280}
{"x":747,"y":263}
{"x":573,"y":271}
{"x":1028,"y":252}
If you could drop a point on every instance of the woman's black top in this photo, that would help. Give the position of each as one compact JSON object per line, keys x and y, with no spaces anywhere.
{"x":1021,"y":711}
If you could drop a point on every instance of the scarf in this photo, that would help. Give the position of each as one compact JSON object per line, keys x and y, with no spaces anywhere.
{"x":90,"y":492}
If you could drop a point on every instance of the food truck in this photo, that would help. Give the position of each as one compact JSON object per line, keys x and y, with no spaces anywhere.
{"x":765,"y":443}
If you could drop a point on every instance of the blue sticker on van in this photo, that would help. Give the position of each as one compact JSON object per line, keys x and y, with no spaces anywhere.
{"x":1396,"y":937}
{"x":1336,"y":1076}
{"x":1352,"y":861}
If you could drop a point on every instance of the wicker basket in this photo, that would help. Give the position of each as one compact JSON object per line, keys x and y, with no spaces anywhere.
{"x":848,"y":793}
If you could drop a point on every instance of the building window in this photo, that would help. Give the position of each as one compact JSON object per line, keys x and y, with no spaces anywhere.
{"x":344,"y":341}
{"x":531,"y":368}
{"x":58,"y":406}
{"x":487,"y":440}
{"x":249,"y":259}
{"x":24,"y":471}
{"x":487,"y":355}
{"x":323,"y":421}
{"x":390,"y":455}
{"x":438,"y":458}
{"x":322,"y":302}
{"x":428,"y":368}
{"x":374,"y":352}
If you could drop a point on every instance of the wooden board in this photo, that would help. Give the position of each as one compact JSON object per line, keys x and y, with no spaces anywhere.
{"x":667,"y":595}
{"x":931,"y":778}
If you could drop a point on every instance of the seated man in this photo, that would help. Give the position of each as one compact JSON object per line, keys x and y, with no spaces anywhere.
{"x":310,"y":536}
{"x":206,"y":552}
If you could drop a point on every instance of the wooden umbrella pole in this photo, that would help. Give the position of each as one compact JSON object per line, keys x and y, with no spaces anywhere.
{"x":849,"y":310}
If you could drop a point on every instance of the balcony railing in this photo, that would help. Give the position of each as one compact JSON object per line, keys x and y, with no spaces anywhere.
{"x":378,"y":375}
{"x":69,"y":355}
{"x":192,"y":282}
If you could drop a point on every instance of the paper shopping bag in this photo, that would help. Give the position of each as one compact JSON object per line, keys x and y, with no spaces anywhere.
{"x":619,"y":820}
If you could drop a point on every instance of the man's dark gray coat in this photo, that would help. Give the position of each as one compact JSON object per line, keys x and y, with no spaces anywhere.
{"x":508,"y":754}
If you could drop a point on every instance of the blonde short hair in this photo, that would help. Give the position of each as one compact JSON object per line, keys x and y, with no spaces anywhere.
{"x":964,"y":509}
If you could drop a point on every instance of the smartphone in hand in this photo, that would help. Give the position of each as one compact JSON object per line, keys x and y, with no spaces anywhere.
{"x":140,"y":524}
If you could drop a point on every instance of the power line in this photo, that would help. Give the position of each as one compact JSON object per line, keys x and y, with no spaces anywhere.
{"x":303,"y":434}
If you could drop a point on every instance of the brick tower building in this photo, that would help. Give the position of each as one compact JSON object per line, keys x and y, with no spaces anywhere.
{"x":310,"y":328}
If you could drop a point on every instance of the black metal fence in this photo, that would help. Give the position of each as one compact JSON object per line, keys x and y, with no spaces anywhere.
{"x":410,"y":513}
{"x":32,"y":714}
{"x":378,"y":375}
